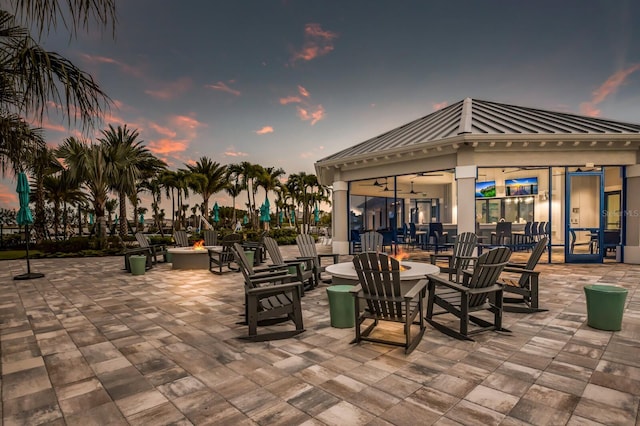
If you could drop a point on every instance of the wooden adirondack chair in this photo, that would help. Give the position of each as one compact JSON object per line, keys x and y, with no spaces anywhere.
{"x":303,"y":266}
{"x":223,"y":257}
{"x":477,"y":291}
{"x":372,"y":241}
{"x":210,"y":237}
{"x":307,"y":248}
{"x":462,"y":257}
{"x":156,"y":249}
{"x":526,"y":284}
{"x":379,"y":276}
{"x":271,"y":297}
{"x":181,"y":238}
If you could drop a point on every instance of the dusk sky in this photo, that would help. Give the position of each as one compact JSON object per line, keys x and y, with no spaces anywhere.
{"x":286,"y":83}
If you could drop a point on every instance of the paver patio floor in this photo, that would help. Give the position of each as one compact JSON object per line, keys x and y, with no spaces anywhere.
{"x":91,"y":344}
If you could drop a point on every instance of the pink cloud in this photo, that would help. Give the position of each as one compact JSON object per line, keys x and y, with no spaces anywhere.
{"x":171,"y":90}
{"x":314,"y":115}
{"x":289,"y":100}
{"x":265,"y":130}
{"x":230,"y":152}
{"x":439,"y":105}
{"x":222,"y":87}
{"x":607,"y":88}
{"x":164,"y":131}
{"x":167,"y":146}
{"x":317,"y":42}
{"x":125,"y":68}
{"x":303,"y":92}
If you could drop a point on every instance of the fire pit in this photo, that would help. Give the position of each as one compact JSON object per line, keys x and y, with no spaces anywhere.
{"x":196,"y":257}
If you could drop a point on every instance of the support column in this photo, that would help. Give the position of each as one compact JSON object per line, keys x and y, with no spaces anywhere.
{"x":466,"y":198}
{"x":632,"y":216}
{"x":340,"y":217}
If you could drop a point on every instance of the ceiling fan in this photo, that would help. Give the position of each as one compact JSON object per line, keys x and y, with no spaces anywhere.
{"x":376,"y":183}
{"x":412,"y":191}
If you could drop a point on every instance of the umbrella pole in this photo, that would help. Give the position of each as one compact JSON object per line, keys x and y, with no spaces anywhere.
{"x":29,"y":275}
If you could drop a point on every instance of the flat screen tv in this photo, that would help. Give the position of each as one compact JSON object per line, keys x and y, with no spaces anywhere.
{"x":486,"y":189}
{"x":525,"y":186}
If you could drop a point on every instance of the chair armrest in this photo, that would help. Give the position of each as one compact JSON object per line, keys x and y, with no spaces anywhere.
{"x":417,"y":288}
{"x":356,"y":289}
{"x":336,"y":257}
{"x":520,"y":271}
{"x":273,"y":290}
{"x":447,"y":283}
{"x":435,"y":257}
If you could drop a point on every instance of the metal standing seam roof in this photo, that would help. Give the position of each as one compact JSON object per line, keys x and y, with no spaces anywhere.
{"x":474,"y":116}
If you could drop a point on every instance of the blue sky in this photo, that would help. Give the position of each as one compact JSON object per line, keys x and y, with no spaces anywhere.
{"x":286,"y":83}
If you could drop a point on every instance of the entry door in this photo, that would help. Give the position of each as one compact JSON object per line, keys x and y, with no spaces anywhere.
{"x":584,"y":219}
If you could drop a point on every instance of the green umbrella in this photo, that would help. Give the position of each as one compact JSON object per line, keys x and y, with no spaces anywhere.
{"x":25,"y":218}
{"x":267,"y":206}
{"x":245,"y":219}
{"x":116,"y":220}
{"x":293,"y":217}
{"x":90,"y":218}
{"x":216,"y":212}
{"x":316,"y":215}
{"x":141,"y":218}
{"x":281,"y":217}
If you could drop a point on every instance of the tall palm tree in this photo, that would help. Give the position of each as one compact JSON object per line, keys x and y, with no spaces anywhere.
{"x":54,"y":193}
{"x":110,"y":208}
{"x":169,"y":180}
{"x":129,"y":161}
{"x":234,"y":185}
{"x":41,"y":163}
{"x":249,"y":173}
{"x":155,"y":186}
{"x":87,"y":164}
{"x":72,"y":194}
{"x":211,"y":180}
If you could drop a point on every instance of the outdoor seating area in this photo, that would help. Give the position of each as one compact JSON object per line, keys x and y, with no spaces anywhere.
{"x":90,"y":343}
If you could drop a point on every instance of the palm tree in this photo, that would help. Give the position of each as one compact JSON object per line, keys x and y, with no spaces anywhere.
{"x":306,"y":191}
{"x":249,"y":173}
{"x":169,"y":180}
{"x":72,"y":194}
{"x":129,"y":161}
{"x":41,"y":163}
{"x":32,"y":78}
{"x":87,"y":164}
{"x":234,"y":185}
{"x":154,"y":186}
{"x":110,"y":208}
{"x":54,"y":193}
{"x":269,"y":179}
{"x":209,"y":178}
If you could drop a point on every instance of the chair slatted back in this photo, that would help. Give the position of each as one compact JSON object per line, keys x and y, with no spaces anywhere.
{"x":379,"y":276}
{"x":536,"y":254}
{"x":463,"y":249}
{"x":142,"y":240}
{"x":486,"y":272}
{"x":245,"y":266}
{"x":372,"y":241}
{"x":274,"y":251}
{"x":210,"y":237}
{"x":535,"y":227}
{"x":307,"y":248}
{"x":181,"y":238}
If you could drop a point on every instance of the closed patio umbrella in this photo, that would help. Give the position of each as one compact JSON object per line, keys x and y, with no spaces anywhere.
{"x":293,"y":217}
{"x":316,"y":215}
{"x":245,"y":219}
{"x":25,"y":218}
{"x":216,"y":212}
{"x":280,"y":217}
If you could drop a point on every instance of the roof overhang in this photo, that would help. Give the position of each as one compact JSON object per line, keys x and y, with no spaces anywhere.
{"x":326,"y":169}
